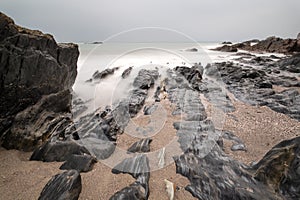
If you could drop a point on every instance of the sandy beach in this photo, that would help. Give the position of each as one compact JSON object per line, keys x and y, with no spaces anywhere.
{"x":258,"y":127}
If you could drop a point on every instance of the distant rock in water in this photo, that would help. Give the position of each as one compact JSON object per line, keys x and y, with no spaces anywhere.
{"x":226,"y":42}
{"x":126,"y":72}
{"x":66,"y":185}
{"x":36,"y":76}
{"x":298,"y":36}
{"x":192,"y":50}
{"x":97,"y":42}
{"x":104,"y":73}
{"x":227,"y":48}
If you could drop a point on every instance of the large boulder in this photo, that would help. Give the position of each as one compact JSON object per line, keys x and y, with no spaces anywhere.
{"x":32,"y":67}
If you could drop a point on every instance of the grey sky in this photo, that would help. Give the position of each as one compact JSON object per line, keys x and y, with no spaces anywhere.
{"x":203,"y":20}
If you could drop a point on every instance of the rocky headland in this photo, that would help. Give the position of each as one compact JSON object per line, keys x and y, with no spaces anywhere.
{"x":208,"y":113}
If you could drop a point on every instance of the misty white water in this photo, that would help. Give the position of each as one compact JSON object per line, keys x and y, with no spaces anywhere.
{"x":95,"y":57}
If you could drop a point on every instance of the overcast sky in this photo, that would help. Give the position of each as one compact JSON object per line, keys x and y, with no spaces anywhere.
{"x":202,"y":20}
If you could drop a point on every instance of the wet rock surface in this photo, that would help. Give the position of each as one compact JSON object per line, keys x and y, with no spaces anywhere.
{"x":66,"y":185}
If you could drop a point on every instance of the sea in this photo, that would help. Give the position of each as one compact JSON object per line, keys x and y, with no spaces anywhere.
{"x":98,"y":57}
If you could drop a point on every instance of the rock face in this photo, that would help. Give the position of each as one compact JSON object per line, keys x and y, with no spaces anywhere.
{"x":271,"y":44}
{"x":36,"y":75}
{"x":66,"y":185}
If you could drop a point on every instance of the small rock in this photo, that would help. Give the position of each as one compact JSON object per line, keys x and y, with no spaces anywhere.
{"x":238,"y":147}
{"x":148,"y":110}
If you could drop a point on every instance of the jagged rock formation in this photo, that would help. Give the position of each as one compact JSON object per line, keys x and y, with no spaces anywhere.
{"x":254,"y":86}
{"x":271,"y":44}
{"x":212,"y":174}
{"x":66,"y":185}
{"x":35,"y":79}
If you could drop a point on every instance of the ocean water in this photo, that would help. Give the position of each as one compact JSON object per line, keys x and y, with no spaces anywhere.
{"x":95,"y":57}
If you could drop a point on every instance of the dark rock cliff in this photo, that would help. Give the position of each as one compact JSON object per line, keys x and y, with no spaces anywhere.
{"x":36,"y":76}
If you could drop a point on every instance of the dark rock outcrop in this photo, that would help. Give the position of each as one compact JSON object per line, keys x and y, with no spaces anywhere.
{"x":255,"y":86}
{"x":271,"y":44}
{"x":66,"y":185}
{"x":193,"y":75}
{"x":36,"y":76}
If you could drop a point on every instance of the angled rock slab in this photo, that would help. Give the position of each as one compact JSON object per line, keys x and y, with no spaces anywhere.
{"x":81,"y":163}
{"x":58,"y":150}
{"x":134,"y":166}
{"x":141,"y":146}
{"x":64,"y":186}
